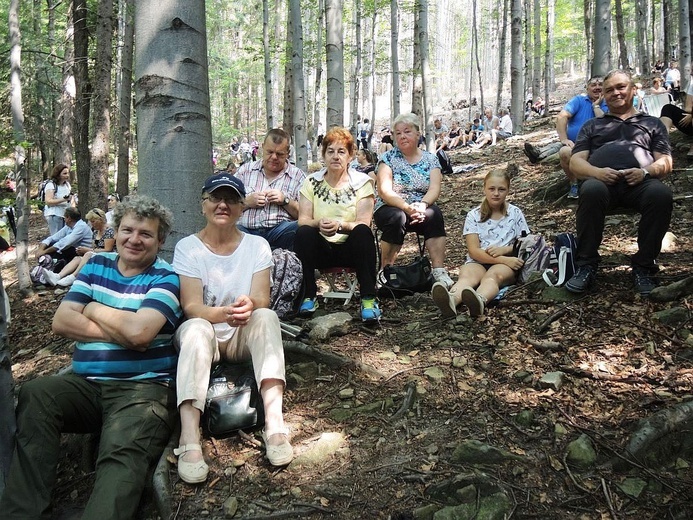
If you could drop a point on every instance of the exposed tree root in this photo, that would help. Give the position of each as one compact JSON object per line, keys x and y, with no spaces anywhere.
{"x":542,"y":346}
{"x":673,"y":291}
{"x":329,"y":358}
{"x":408,"y":402}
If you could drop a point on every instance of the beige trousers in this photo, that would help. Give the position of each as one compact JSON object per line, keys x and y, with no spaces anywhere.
{"x":259,"y":340}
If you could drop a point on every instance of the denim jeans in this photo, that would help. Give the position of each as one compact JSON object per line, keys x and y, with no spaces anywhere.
{"x":280,"y":236}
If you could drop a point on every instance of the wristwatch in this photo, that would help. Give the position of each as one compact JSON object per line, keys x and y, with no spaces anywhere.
{"x":645,"y":174}
{"x":286,"y":200}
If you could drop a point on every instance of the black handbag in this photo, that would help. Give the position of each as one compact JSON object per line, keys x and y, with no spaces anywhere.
{"x":232,"y":404}
{"x":396,"y":281}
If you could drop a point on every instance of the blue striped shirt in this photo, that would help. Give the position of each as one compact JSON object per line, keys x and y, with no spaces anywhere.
{"x":156,"y":288}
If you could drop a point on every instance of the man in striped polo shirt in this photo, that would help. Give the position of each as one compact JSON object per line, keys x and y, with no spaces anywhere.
{"x":121,"y":312}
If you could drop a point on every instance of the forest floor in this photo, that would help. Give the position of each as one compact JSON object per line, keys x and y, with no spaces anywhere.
{"x":622,"y":365}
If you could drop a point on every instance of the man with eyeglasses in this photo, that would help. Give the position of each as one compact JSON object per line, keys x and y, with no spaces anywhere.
{"x":272,"y":190}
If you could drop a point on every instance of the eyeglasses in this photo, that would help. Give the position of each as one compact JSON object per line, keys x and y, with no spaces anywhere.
{"x":216,"y":199}
{"x":278,"y":155}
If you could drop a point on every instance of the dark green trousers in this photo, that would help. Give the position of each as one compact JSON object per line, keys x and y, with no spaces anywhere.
{"x":135,"y":420}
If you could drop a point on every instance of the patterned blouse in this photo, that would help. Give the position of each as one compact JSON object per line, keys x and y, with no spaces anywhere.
{"x":409,"y":181}
{"x":99,"y":243}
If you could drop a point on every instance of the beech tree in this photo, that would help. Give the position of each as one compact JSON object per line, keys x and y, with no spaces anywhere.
{"x":174,"y":132}
{"x":299,"y":127}
{"x":126,"y":28}
{"x":334,"y":52}
{"x":602,"y":38}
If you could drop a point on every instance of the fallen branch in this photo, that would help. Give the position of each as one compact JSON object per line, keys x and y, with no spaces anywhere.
{"x":408,"y":402}
{"x":548,"y":321}
{"x":329,"y":358}
{"x":579,"y":372}
{"x":542,"y":346}
{"x":607,"y":495}
{"x":160,"y":479}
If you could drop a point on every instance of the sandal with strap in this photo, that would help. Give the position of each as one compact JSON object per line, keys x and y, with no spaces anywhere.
{"x":191,"y":472}
{"x":278,"y":454}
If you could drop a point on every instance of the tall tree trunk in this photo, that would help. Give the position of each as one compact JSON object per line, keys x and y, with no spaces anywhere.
{"x":394,"y":57}
{"x":83,"y":92}
{"x":334,"y":52}
{"x":417,"y":103}
{"x":7,"y":417}
{"x":269,"y":109}
{"x":172,"y":102}
{"x":602,"y":38}
{"x":318,"y":77}
{"x":288,"y":115}
{"x":68,"y":96}
{"x":356,"y":74}
{"x":621,"y":35}
{"x":371,"y":83}
{"x":20,"y":170}
{"x":549,"y":59}
{"x":536,"y":68}
{"x":475,"y":43}
{"x":641,"y":40}
{"x":279,"y":45}
{"x":684,"y":43}
{"x":587,"y":14}
{"x":44,"y":102}
{"x":502,"y":47}
{"x":667,"y":11}
{"x":299,"y":130}
{"x":125,"y":98}
{"x":96,"y":180}
{"x":516,"y":85}
{"x":425,"y":73}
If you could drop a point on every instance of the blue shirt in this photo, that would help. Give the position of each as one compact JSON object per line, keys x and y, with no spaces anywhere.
{"x":409,"y":181}
{"x":78,"y":235}
{"x":158,"y":287}
{"x":581,"y":111}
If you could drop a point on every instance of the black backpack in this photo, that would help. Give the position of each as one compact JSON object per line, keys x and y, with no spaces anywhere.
{"x":445,"y":165}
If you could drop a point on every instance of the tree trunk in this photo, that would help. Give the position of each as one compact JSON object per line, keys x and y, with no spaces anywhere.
{"x":371,"y":84}
{"x":621,"y":35}
{"x":536,"y":69}
{"x":425,"y":73}
{"x":269,"y":106}
{"x":83,"y":91}
{"x":667,"y":11}
{"x":299,"y":130}
{"x":355,"y":91}
{"x":318,"y":77}
{"x":641,"y":40}
{"x":602,"y":38}
{"x":475,"y":42}
{"x":288,"y":116}
{"x":174,"y":132}
{"x":417,"y":103}
{"x":68,"y":94}
{"x":516,"y":86}
{"x":588,"y":13}
{"x":684,"y":43}
{"x":502,"y":46}
{"x":334,"y":52}
{"x":394,"y":57}
{"x":125,"y":99}
{"x":549,"y":59}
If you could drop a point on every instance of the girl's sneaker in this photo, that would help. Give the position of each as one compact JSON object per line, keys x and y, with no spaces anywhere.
{"x":370,"y":311}
{"x":474,"y":301}
{"x":308,"y":306}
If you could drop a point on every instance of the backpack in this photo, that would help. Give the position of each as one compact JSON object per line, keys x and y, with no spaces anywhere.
{"x":445,"y":165}
{"x":537,"y":255}
{"x":287,"y":282}
{"x":364,"y":133}
{"x":41,"y":195}
{"x":565,"y":247}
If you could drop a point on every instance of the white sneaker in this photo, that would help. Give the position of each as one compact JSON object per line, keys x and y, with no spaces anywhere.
{"x":440,"y":275}
{"x":51,"y":278}
{"x":67,"y":281}
{"x":474,"y":301}
{"x":444,"y":300}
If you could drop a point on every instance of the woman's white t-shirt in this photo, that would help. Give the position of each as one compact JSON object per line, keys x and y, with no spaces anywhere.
{"x":500,"y":232}
{"x":59,"y":193}
{"x":224,"y":277}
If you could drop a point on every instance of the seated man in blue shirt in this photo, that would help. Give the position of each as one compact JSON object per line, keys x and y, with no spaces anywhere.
{"x":63,"y":244}
{"x":121,"y":312}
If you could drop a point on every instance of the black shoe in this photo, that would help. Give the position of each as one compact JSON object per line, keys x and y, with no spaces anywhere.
{"x":532,"y":153}
{"x":582,"y":279}
{"x":643,"y":281}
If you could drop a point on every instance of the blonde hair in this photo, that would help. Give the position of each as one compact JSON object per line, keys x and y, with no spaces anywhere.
{"x":485,"y":208}
{"x":96,"y":214}
{"x":410,"y":119}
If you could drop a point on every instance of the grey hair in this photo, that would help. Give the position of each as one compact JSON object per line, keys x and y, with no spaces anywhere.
{"x":614,"y":72}
{"x":409,"y":119}
{"x":143,"y":207}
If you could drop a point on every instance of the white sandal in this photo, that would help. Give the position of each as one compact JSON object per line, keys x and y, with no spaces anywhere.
{"x":279,"y":454}
{"x":191,"y":472}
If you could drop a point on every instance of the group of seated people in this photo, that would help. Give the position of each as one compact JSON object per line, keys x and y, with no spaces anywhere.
{"x":136,"y":362}
{"x":476,"y":134}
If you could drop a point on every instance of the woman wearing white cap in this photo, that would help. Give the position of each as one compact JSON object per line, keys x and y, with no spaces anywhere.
{"x":225,"y":291}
